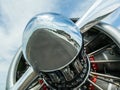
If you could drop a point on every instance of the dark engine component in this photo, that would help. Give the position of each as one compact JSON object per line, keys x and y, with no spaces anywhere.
{"x":71,"y":76}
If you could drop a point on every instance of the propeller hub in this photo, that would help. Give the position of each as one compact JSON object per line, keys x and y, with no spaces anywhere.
{"x":53,"y":46}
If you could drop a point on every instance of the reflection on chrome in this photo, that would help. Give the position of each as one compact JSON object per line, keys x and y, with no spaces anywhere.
{"x":52,"y":45}
{"x":51,"y":38}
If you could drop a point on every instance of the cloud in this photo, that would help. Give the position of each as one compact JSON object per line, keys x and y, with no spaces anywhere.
{"x":112,"y":17}
{"x":81,"y":8}
{"x":119,"y":27}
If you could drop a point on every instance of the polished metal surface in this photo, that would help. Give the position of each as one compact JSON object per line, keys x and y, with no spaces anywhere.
{"x":98,"y":87}
{"x":94,"y":15}
{"x":103,"y":61}
{"x":79,"y":23}
{"x":29,"y":75}
{"x":51,"y":42}
{"x":106,"y":80}
{"x":110,"y":31}
{"x":11,"y":80}
{"x":25,"y":80}
{"x":106,"y":76}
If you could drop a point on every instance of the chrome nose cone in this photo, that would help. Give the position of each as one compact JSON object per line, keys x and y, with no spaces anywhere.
{"x":51,"y":42}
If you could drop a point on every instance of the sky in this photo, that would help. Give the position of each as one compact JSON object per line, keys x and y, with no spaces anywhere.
{"x":15,"y":14}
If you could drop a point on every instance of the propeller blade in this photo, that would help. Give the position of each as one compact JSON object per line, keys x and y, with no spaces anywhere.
{"x":95,"y":14}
